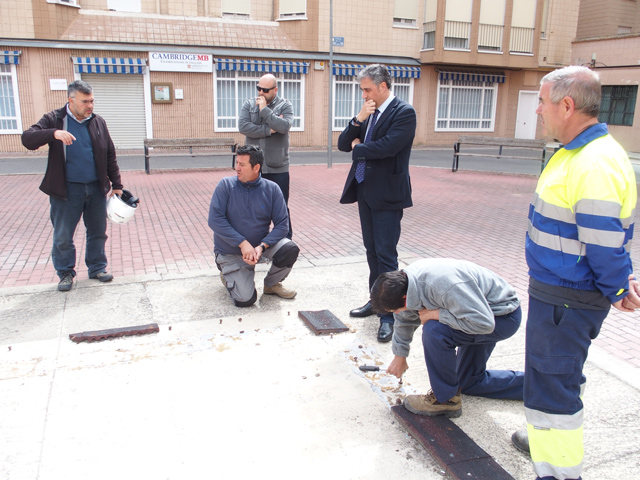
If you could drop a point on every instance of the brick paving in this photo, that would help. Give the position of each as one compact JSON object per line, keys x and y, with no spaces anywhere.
{"x":472,"y":215}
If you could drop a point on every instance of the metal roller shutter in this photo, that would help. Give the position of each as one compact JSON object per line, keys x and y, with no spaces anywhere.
{"x":120,"y":101}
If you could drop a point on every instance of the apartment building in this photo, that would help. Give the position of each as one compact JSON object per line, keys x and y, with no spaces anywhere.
{"x":171,"y":69}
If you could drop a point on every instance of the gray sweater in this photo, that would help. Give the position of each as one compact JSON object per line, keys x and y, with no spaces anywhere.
{"x":257,"y":124}
{"x":468,"y":297}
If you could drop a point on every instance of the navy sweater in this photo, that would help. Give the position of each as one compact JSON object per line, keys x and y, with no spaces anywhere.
{"x":244,"y":211}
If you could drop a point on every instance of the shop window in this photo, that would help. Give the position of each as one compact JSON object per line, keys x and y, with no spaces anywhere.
{"x":348,"y":97}
{"x":618,"y":104}
{"x":234,"y":87}
{"x":10,"y":121}
{"x":466,"y":105}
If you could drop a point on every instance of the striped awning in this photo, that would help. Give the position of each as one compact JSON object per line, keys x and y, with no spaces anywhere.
{"x":493,"y":77}
{"x":266,"y":66}
{"x":8,"y":57}
{"x":108,"y":65}
{"x":395,"y":71}
{"x":404,"y":72}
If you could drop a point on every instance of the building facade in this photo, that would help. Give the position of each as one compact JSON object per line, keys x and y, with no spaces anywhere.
{"x":169,"y":69}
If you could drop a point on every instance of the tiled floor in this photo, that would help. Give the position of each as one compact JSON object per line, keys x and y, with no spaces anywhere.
{"x":472,"y":215}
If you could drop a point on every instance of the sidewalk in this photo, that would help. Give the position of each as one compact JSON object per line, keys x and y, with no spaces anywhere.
{"x":225,"y":393}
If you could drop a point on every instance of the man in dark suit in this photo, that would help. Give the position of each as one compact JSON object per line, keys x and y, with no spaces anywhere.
{"x":380,"y":137}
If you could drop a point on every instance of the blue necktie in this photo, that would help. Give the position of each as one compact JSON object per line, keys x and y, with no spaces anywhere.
{"x":362,"y":163}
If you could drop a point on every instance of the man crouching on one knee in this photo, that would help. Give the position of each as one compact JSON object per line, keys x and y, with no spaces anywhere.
{"x":459,"y":305}
{"x":240,"y":215}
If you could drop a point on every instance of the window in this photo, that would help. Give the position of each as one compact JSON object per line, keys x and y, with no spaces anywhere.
{"x":236,"y":8}
{"x":65,"y":2}
{"x":457,"y":24}
{"x":618,"y":104}
{"x":234,"y":87}
{"x":348,"y":97}
{"x":466,"y":105}
{"x":124,"y":5}
{"x":405,"y":13}
{"x":10,"y":121}
{"x":292,"y":9}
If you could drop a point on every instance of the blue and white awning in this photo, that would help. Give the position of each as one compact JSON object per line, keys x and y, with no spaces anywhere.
{"x":108,"y":65}
{"x":394,"y":70}
{"x":404,"y":72}
{"x":266,"y":66}
{"x":491,"y":77}
{"x":346,"y":69}
{"x":8,"y":57}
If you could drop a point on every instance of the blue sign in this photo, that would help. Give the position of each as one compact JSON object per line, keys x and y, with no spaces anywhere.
{"x":338,"y":41}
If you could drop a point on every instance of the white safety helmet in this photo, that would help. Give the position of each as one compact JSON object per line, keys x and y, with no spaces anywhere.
{"x":120,"y":208}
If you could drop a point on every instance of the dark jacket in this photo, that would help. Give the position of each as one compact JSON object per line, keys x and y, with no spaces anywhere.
{"x":104,"y":153}
{"x":386,"y":179}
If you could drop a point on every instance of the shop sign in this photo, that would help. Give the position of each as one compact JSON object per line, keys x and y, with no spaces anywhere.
{"x":180,"y":62}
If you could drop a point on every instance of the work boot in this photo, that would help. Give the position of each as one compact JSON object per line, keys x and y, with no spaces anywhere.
{"x":102,"y":276}
{"x":430,"y":406}
{"x":65,"y":283}
{"x":520,"y":440}
{"x":280,"y":291}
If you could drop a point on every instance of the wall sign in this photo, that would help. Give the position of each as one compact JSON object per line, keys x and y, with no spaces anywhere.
{"x":161,"y":92}
{"x":180,"y":62}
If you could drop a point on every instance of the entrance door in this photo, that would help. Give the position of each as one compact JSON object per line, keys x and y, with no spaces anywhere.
{"x":527,"y":119}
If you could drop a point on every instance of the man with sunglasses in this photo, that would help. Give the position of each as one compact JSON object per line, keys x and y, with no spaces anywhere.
{"x":459,"y":305}
{"x":265,"y":121}
{"x":81,"y":170}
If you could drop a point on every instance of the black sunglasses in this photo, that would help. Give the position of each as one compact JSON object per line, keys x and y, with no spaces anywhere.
{"x":262,"y":89}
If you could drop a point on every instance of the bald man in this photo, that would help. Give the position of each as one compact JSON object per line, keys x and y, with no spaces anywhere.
{"x":265,"y":121}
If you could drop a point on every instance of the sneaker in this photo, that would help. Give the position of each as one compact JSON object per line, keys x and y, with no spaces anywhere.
{"x":430,"y":406}
{"x":65,"y":283}
{"x":102,"y":276}
{"x":280,"y":291}
{"x":520,"y":440}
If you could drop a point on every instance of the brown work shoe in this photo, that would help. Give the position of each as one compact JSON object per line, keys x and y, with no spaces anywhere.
{"x":280,"y":291}
{"x":430,"y":406}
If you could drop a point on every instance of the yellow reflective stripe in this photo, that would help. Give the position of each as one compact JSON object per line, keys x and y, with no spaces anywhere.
{"x":555,"y":212}
{"x":555,"y":421}
{"x":544,"y":470}
{"x":601,"y":208}
{"x":556,"y":242}
{"x":603,"y":238}
{"x":556,"y":448}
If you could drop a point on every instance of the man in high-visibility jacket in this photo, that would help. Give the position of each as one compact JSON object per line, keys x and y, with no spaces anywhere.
{"x":580,"y":229}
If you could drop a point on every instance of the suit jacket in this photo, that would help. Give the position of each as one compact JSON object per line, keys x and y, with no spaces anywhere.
{"x":386,"y":179}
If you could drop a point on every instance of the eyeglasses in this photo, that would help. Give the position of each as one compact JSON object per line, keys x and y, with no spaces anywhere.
{"x":265,"y":90}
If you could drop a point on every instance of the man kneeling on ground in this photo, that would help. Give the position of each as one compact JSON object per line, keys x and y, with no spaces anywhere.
{"x":241,"y":212}
{"x":459,"y":304}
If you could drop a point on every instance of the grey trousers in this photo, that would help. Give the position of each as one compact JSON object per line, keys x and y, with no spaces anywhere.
{"x":239,"y":275}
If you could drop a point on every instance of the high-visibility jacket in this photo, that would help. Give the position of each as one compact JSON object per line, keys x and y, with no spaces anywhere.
{"x":581,"y":217}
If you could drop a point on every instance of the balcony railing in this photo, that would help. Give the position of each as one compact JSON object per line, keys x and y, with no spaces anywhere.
{"x":456,"y":35}
{"x":521,"y":40}
{"x":429,"y":42}
{"x":490,"y":38}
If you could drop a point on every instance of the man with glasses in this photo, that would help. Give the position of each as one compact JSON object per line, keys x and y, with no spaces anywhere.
{"x":81,"y":170}
{"x":242,"y":210}
{"x":265,"y":121}
{"x":380,"y":138}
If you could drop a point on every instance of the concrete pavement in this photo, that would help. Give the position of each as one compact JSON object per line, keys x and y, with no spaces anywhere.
{"x":223,"y":392}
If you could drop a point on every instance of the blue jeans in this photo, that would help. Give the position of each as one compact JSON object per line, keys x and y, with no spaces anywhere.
{"x":467,"y":369}
{"x":380,"y":235}
{"x":88,"y":201}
